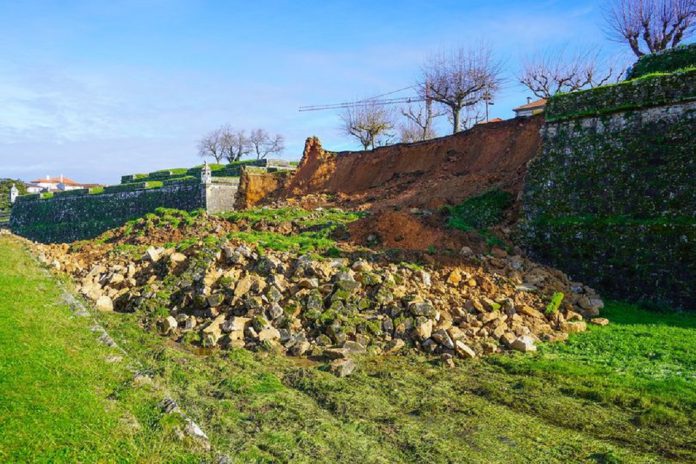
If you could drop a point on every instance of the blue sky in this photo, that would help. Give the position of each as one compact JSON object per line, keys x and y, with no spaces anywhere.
{"x":95,"y":89}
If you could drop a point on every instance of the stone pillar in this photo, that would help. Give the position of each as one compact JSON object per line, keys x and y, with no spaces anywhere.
{"x":14,"y":193}
{"x":206,"y":184}
{"x":206,"y":174}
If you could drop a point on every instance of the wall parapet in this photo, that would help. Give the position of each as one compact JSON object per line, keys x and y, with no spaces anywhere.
{"x":217,"y":170}
{"x":645,"y":92}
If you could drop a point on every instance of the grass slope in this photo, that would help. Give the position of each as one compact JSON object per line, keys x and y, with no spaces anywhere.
{"x":60,"y":400}
{"x":622,"y":393}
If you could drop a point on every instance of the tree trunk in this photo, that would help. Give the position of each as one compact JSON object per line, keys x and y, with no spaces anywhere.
{"x":455,"y":119}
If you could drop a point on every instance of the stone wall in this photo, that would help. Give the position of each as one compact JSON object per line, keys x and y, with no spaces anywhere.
{"x":221,"y":194}
{"x":74,"y":215}
{"x":611,"y":198}
{"x":82,"y":214}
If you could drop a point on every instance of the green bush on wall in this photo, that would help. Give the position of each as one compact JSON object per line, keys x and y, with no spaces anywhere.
{"x":218,"y":170}
{"x":648,"y":91}
{"x":667,"y":61}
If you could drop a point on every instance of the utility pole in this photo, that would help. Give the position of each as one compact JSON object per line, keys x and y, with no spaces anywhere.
{"x":428,"y":109}
{"x":487,"y":100}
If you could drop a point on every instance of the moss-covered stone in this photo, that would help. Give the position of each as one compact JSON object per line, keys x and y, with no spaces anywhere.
{"x":612,"y":201}
{"x":74,"y":216}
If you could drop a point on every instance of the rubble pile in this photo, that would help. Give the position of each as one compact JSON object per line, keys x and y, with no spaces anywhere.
{"x":229,"y":294}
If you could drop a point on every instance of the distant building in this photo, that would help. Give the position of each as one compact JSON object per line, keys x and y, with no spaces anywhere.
{"x":531,"y":108}
{"x":56,"y":184}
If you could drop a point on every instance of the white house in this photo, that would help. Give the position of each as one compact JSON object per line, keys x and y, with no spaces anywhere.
{"x":55,"y":184}
{"x":531,"y":108}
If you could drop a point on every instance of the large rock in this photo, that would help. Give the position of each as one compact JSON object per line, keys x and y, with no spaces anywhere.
{"x":342,"y":367}
{"x":153,"y":254}
{"x":167,"y":325}
{"x":213,"y":331}
{"x":104,"y":303}
{"x":236,"y":324}
{"x":269,"y":333}
{"x":464,"y":350}
{"x":177,"y":258}
{"x":524,"y":344}
{"x":336,"y":353}
{"x":443,"y":338}
{"x":394,"y":346}
{"x":424,"y":328}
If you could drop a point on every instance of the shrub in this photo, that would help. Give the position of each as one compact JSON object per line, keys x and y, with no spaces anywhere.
{"x":670,"y":60}
{"x":479,"y":212}
{"x":555,"y":303}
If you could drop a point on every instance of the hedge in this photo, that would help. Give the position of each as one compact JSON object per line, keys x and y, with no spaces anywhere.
{"x":667,"y":61}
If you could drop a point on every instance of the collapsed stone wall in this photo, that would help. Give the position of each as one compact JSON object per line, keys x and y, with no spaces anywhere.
{"x":427,"y":174}
{"x":259,"y":184}
{"x":611,"y":198}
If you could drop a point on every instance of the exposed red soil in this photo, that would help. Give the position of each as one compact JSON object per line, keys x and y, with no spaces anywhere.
{"x":403,"y":186}
{"x":397,"y":229}
{"x":427,"y":174}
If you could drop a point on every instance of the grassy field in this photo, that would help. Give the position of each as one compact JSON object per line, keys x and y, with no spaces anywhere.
{"x":622,"y":393}
{"x":61,"y":400}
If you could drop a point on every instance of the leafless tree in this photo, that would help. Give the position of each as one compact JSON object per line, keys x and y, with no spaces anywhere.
{"x":649,"y":26}
{"x":369,"y":122}
{"x":419,"y":122}
{"x":551,"y":72}
{"x":263,"y":144}
{"x":470,"y":116}
{"x":210,"y":145}
{"x":459,"y":79}
{"x":234,"y":143}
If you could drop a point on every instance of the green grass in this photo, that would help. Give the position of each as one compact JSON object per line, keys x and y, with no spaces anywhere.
{"x":60,"y":400}
{"x":621,"y":393}
{"x":317,"y":228}
{"x":304,"y":242}
{"x":305,"y":217}
{"x":479,"y":212}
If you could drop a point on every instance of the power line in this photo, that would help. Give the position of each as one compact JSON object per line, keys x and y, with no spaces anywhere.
{"x":376,"y":100}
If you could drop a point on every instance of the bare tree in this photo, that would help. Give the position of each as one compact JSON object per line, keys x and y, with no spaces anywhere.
{"x":262,"y":144}
{"x":470,"y":116}
{"x":210,"y":145}
{"x":419,"y":122}
{"x":552,"y":72}
{"x":649,"y":26}
{"x":459,"y":79}
{"x":367,"y":122}
{"x":234,"y":143}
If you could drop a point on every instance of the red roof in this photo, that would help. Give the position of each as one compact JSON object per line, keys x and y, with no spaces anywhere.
{"x":55,"y":180}
{"x":491,"y":120}
{"x":532,"y":105}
